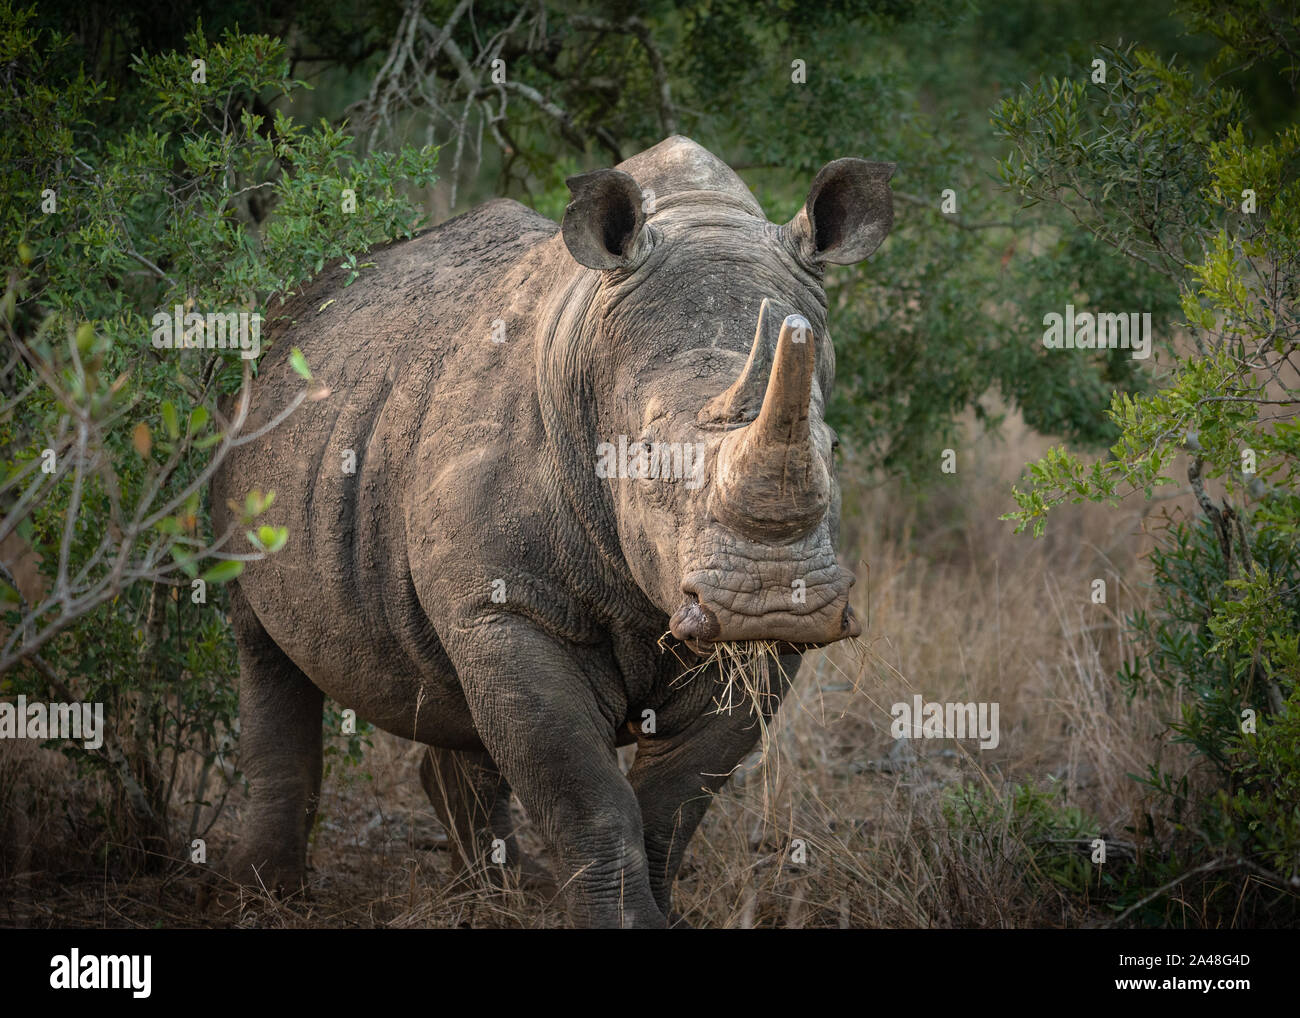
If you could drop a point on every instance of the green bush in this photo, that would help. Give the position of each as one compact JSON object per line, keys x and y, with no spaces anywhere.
{"x":1049,"y":840}
{"x":1239,"y":808}
{"x":1163,"y":163}
{"x":213,"y":203}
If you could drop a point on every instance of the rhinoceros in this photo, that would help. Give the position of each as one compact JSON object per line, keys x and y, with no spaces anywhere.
{"x":544,"y":449}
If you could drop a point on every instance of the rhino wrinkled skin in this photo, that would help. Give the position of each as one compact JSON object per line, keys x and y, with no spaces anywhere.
{"x":475,"y":473}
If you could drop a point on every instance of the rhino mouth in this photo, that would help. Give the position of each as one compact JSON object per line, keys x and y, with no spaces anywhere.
{"x":701,"y":626}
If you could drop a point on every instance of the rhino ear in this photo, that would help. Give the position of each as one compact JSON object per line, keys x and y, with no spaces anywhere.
{"x":848,"y":213}
{"x":604,"y":224}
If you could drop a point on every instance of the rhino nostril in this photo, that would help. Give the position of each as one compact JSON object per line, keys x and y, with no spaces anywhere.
{"x":693,"y":621}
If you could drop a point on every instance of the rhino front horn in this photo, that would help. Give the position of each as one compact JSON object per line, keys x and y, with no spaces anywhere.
{"x":771,"y":482}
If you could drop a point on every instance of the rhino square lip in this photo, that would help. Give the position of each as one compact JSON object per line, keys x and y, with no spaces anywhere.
{"x":696,"y":624}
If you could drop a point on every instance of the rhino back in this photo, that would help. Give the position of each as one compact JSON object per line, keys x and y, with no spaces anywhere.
{"x":414,"y":377}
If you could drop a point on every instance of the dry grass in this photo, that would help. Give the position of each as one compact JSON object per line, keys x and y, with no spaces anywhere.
{"x":832,"y":822}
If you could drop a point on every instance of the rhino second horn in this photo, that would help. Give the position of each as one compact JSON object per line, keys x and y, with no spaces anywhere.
{"x":771,"y":482}
{"x":741,"y":400}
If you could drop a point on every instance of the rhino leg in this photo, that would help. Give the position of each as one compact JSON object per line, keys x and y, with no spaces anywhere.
{"x":674,"y":782}
{"x":675,"y":777}
{"x":538,"y":715}
{"x":472,"y":800}
{"x":280,"y":754}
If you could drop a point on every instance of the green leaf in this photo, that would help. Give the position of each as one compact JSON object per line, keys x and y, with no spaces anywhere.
{"x":85,"y":338}
{"x":268,"y":538}
{"x":185,"y":560}
{"x":299,"y":363}
{"x":170,"y":420}
{"x":223,"y":572}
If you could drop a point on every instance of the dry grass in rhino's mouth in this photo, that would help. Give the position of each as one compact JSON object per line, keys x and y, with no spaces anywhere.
{"x":749,"y":672}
